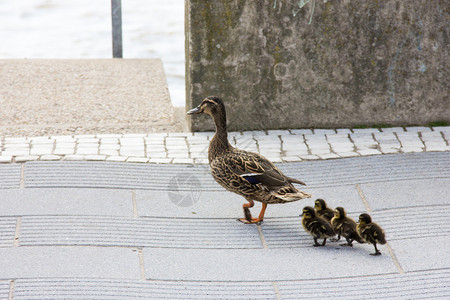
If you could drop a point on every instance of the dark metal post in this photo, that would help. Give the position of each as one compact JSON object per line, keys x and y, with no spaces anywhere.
{"x":116,"y":15}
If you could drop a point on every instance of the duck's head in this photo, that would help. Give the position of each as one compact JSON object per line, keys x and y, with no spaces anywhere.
{"x":364,"y":219}
{"x":211,"y":105}
{"x":308,"y":212}
{"x":339,"y":212}
{"x":320,"y":204}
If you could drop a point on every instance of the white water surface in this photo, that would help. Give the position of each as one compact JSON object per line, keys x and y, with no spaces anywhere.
{"x":82,"y":29}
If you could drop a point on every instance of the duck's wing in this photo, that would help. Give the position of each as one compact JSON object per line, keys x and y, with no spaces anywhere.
{"x":256,"y":169}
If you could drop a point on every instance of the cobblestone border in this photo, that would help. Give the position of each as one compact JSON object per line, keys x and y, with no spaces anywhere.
{"x":192,"y":148}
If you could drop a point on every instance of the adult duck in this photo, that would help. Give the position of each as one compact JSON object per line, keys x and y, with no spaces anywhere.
{"x":245,"y":173}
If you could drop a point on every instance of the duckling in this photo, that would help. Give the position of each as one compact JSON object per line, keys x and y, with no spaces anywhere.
{"x":316,"y":226}
{"x":248,"y":174}
{"x":345,"y":226}
{"x":322,"y":210}
{"x":370,"y":232}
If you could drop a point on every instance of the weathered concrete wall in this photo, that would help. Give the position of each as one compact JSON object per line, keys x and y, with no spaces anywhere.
{"x":294,"y":64}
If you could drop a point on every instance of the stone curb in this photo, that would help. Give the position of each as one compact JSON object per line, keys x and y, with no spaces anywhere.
{"x":192,"y":148}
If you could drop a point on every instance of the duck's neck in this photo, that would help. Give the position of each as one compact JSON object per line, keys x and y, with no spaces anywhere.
{"x":219,"y":143}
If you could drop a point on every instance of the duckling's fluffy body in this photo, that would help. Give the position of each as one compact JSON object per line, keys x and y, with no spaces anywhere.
{"x":322,"y":209}
{"x":316,"y":226}
{"x":345,"y":226}
{"x":245,"y":173}
{"x":370,"y":232}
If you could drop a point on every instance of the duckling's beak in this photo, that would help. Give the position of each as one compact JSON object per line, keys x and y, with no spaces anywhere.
{"x":196,"y":110}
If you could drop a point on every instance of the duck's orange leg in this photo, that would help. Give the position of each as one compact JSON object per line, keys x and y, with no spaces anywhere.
{"x":248,"y":216}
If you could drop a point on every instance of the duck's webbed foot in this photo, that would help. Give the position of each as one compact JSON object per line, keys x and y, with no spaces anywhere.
{"x":251,"y":221}
{"x":316,"y":244}
{"x":377,"y":252}
{"x":248,"y":216}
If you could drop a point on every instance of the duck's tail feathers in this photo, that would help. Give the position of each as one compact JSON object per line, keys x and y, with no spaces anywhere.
{"x":290,"y":197}
{"x":293,"y":180}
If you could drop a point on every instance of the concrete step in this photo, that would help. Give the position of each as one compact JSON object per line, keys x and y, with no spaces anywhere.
{"x":83,"y":96}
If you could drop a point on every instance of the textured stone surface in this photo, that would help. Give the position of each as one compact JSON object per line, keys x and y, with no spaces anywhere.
{"x":48,"y":97}
{"x":186,"y":148}
{"x":35,"y":262}
{"x":66,"y":201}
{"x":136,"y":240}
{"x":297,"y":64}
{"x":10,"y":176}
{"x":424,"y":284}
{"x":85,"y":288}
{"x":262,"y":264}
{"x":346,"y":171}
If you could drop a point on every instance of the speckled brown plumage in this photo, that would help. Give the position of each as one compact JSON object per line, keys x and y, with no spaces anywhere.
{"x":345,"y":226}
{"x":245,"y":173}
{"x":322,"y":209}
{"x":316,"y":226}
{"x":370,"y":232}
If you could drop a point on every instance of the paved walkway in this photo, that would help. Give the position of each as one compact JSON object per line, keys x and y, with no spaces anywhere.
{"x":191,"y":148}
{"x":113,"y":229}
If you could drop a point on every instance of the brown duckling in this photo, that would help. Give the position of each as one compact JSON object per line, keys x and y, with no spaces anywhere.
{"x":248,"y":174}
{"x":322,"y":210}
{"x":345,"y":226}
{"x":370,"y":232}
{"x":316,"y":226}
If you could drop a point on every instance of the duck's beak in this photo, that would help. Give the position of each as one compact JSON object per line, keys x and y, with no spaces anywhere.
{"x":196,"y":110}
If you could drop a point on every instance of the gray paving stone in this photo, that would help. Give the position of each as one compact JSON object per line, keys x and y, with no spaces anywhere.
{"x":10,"y":175}
{"x":66,"y":201}
{"x":418,"y":129}
{"x":328,"y":156}
{"x":104,"y":231}
{"x":370,"y":169}
{"x":109,"y":175}
{"x":365,"y":130}
{"x":412,"y":285}
{"x":50,"y":157}
{"x":25,"y":158}
{"x":262,"y":264}
{"x":385,"y":195}
{"x":324,"y":131}
{"x":207,"y":204}
{"x":116,"y":158}
{"x":6,"y":159}
{"x":291,"y":158}
{"x":301,"y":131}
{"x":411,"y":149}
{"x":430,"y":254}
{"x":415,"y":223}
{"x":7,"y":230}
{"x":87,"y":262}
{"x":346,"y":196}
{"x":158,"y":177}
{"x":347,"y":154}
{"x":4,"y":289}
{"x":393,"y":129}
{"x":309,"y":157}
{"x":98,"y":288}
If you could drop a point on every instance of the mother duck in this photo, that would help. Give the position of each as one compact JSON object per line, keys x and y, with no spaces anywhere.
{"x":245,"y":173}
